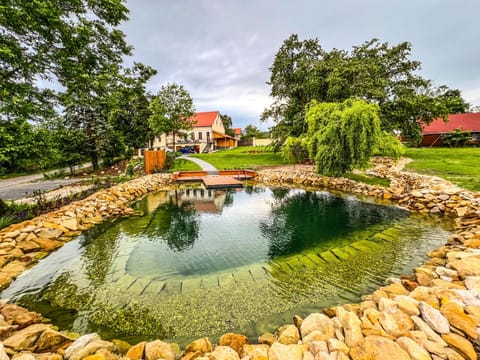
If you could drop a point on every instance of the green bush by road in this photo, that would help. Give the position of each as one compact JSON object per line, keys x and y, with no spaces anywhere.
{"x":461,"y":166}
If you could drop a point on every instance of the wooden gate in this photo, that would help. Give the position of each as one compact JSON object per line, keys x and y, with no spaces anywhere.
{"x":154,"y":160}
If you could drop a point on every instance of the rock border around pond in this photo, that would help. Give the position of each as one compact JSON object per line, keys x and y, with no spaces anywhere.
{"x":432,"y":314}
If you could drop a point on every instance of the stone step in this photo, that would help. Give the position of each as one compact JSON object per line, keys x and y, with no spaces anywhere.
{"x":307,"y":262}
{"x":350,"y":250}
{"x":341,"y":254}
{"x":123,"y":283}
{"x":138,"y":287}
{"x":383,"y":237}
{"x":312,"y":256}
{"x":280,"y":265}
{"x":154,"y":287}
{"x":171,"y":288}
{"x":365,"y":245}
{"x":258,"y":273}
{"x":226,"y":279}
{"x":209,"y":282}
{"x":394,"y":231}
{"x":242,"y":275}
{"x":190,"y":285}
{"x":295,"y":263}
{"x":328,"y":256}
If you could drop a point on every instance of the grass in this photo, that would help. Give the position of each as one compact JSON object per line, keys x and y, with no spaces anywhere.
{"x":367,"y":179}
{"x":461,"y":166}
{"x":247,"y":157}
{"x":184,"y":165}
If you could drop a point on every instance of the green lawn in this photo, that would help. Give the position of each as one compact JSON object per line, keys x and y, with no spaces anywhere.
{"x":184,"y":165}
{"x":245,"y":157}
{"x":367,"y":179}
{"x":458,"y":165}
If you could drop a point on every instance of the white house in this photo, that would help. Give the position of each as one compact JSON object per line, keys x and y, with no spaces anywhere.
{"x":207,"y":134}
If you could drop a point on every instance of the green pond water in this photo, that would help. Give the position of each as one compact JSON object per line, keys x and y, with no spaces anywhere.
{"x":203,"y":262}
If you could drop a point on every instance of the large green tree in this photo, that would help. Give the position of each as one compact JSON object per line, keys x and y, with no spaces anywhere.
{"x":131,"y":106}
{"x":77,"y":45}
{"x":36,"y":39}
{"x":374,"y":71}
{"x":227,"y":123}
{"x":171,"y":111}
{"x":342,"y":135}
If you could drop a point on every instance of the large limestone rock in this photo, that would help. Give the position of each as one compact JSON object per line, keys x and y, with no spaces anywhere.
{"x":427,"y":330}
{"x":223,"y":353}
{"x":202,"y":345}
{"x":25,"y":339}
{"x":434,"y":318}
{"x":51,"y":340}
{"x":351,"y":325}
{"x":3,"y":354}
{"x":377,"y":348}
{"x":91,"y":348}
{"x":461,"y":345}
{"x":136,"y":352}
{"x":335,"y":345}
{"x":317,"y":322}
{"x":48,"y":244}
{"x":414,"y":350}
{"x":288,"y":334}
{"x":267,"y":339}
{"x":469,"y":266}
{"x":20,"y":316}
{"x":24,"y":355}
{"x":235,"y":341}
{"x":255,"y":352}
{"x":80,"y":343}
{"x":318,"y":346}
{"x":280,"y":351}
{"x":458,"y":319}
{"x":159,"y":350}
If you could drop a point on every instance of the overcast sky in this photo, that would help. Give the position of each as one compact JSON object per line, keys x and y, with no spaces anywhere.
{"x":220,"y":50}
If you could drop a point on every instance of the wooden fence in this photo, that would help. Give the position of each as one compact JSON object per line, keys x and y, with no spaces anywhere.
{"x":154,"y":160}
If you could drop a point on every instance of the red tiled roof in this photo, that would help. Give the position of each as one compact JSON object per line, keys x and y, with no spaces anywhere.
{"x":201,"y":119}
{"x":466,"y":122}
{"x":237,"y":131}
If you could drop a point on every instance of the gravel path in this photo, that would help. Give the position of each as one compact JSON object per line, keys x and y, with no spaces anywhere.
{"x":25,"y":186}
{"x":212,"y":170}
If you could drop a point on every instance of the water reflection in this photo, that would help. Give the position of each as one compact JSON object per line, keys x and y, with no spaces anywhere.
{"x":202,"y":262}
{"x":176,"y":223}
{"x":301,"y":219}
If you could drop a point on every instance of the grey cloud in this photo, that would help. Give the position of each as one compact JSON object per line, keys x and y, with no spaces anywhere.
{"x":220,"y":50}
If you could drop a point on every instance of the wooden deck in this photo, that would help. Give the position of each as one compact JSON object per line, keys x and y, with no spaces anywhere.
{"x":224,"y":179}
{"x":220,"y":181}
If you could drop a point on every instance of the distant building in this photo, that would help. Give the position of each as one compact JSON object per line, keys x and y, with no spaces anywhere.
{"x":208,"y":134}
{"x":237,"y":133}
{"x":433,"y":132}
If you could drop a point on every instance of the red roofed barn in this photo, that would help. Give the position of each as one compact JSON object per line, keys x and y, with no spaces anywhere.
{"x":466,"y":122}
{"x":208,"y":134}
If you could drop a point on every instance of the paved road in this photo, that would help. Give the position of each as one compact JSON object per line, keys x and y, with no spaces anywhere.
{"x":23,"y":186}
{"x":212,"y":170}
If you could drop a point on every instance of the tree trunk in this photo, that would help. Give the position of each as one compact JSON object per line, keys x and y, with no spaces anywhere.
{"x":174,"y":150}
{"x":94,"y":158}
{"x":3,"y":207}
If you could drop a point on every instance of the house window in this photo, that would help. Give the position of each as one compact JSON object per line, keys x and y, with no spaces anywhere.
{"x":199,"y":135}
{"x":476,"y":136}
{"x":208,"y":135}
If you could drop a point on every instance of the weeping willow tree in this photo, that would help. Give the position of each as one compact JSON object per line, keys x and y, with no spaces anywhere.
{"x":342,"y":136}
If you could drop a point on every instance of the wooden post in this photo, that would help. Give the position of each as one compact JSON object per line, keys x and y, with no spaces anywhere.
{"x":154,"y":160}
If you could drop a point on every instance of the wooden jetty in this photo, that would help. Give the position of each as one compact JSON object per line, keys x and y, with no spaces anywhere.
{"x":222,"y":179}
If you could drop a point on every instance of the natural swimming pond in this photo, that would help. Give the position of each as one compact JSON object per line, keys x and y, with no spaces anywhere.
{"x":204,"y":262}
